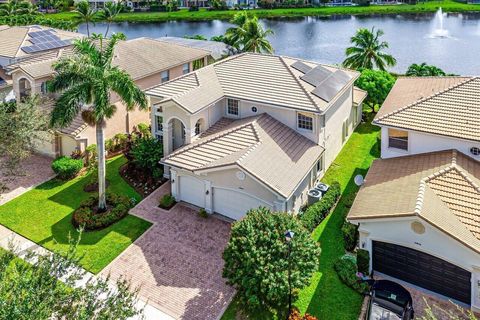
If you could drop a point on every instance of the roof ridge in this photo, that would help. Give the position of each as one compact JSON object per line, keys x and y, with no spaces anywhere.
{"x":297,"y":80}
{"x":425,"y":99}
{"x":168,"y":43}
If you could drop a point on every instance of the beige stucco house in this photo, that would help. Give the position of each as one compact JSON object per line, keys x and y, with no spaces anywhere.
{"x":253,"y":130}
{"x":418,"y":211}
{"x":147,"y":61}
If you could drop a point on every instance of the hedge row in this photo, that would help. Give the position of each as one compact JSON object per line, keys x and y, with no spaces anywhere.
{"x":315,"y":213}
{"x":346,"y":268}
{"x":87,"y":217}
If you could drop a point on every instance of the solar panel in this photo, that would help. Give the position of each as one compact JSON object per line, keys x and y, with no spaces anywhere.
{"x":42,"y":39}
{"x":46,"y":46}
{"x":329,"y":88}
{"x":301,"y":66}
{"x":316,"y":75}
{"x":41,"y":33}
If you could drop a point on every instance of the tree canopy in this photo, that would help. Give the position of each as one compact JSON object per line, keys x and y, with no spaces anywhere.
{"x":257,"y":263}
{"x":248,"y":34}
{"x":377,"y":83}
{"x":367,"y":51}
{"x":424,"y":70}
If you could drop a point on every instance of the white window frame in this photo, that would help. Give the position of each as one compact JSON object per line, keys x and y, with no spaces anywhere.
{"x":165,"y":76}
{"x":399,"y":140}
{"x":304,"y":121}
{"x":186,"y":68}
{"x":228,"y":106}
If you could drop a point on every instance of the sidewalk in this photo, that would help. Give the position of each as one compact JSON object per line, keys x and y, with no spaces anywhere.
{"x":23,"y":245}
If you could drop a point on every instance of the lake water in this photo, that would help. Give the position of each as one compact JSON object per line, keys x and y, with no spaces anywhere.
{"x":325,"y":39}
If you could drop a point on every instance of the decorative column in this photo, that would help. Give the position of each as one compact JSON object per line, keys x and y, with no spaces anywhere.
{"x":208,"y":196}
{"x":174,"y":180}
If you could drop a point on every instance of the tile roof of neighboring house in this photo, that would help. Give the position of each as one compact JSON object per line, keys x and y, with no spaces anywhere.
{"x":12,"y":39}
{"x":444,"y":106}
{"x":359,"y":95}
{"x":442,"y":188}
{"x":217,"y":49}
{"x":265,"y":148}
{"x":261,"y":78}
{"x":75,"y":128}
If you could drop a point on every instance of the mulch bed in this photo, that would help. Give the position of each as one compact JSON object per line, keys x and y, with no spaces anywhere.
{"x":137,"y":179}
{"x":169,"y":207}
{"x":93,"y":187}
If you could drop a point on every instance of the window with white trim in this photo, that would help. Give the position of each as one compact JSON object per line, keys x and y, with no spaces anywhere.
{"x":44,"y":87}
{"x":232,"y":107}
{"x":397,"y":139}
{"x":304,"y":121}
{"x":345,"y":128}
{"x":165,"y":75}
{"x":186,"y":68}
{"x":159,"y":124}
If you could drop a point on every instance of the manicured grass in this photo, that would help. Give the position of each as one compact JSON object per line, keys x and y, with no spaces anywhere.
{"x":327,"y":297}
{"x":44,"y":214}
{"x":203,"y":14}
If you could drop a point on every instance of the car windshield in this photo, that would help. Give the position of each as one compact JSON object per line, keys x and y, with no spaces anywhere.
{"x":393,"y":297}
{"x":377,"y":312}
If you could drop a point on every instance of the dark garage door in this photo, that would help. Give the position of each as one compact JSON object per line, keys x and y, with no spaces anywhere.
{"x":422,"y":269}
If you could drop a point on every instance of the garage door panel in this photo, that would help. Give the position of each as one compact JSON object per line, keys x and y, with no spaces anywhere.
{"x":192,"y":191}
{"x":423,"y":270}
{"x":234,"y":204}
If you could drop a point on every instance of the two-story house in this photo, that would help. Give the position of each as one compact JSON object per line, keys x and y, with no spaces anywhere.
{"x":253,"y":130}
{"x":418,"y":210}
{"x":146,"y":60}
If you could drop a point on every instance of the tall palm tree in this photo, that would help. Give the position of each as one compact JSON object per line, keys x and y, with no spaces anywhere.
{"x":424,"y":70}
{"x":367,"y":51}
{"x":86,"y":81}
{"x":85,"y":12}
{"x":110,"y":12}
{"x":248,"y":35}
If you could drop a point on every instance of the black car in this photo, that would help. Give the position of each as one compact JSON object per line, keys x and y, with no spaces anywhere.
{"x":389,"y":301}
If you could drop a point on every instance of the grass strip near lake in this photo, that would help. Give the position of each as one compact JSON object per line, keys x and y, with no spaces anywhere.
{"x":203,"y":14}
{"x":327,"y":297}
{"x":44,"y":215}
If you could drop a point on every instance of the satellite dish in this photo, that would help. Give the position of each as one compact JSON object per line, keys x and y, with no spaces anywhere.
{"x":359,"y":181}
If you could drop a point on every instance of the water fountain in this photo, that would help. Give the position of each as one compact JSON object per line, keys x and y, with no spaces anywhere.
{"x":439,"y":31}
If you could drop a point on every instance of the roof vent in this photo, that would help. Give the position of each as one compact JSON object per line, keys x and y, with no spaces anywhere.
{"x":475,"y":151}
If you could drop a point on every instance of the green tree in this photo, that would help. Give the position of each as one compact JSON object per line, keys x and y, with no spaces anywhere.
{"x":85,"y":82}
{"x":248,"y":35}
{"x":424,"y":70}
{"x":18,"y":7}
{"x":110,"y":12}
{"x":257,"y":260}
{"x":32,"y":290}
{"x":146,"y":154}
{"x":367,"y":51}
{"x":196,"y":37}
{"x":85,"y":13}
{"x":23,"y":125}
{"x":378,"y":84}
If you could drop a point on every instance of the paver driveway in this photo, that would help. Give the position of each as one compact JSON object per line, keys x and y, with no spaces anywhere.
{"x":178,"y":262}
{"x":32,"y":171}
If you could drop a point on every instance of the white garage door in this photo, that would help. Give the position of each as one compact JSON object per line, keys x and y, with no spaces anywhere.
{"x":234,"y":204}
{"x":192,"y":190}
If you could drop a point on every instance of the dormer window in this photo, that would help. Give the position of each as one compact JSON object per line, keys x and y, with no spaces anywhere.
{"x":232,"y":107}
{"x":165,"y":75}
{"x":304,"y":121}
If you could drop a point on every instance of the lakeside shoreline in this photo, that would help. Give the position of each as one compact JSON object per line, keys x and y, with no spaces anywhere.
{"x":448,"y":6}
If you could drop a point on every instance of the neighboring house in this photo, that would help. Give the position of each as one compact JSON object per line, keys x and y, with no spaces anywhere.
{"x":253,"y":130}
{"x":419,"y":209}
{"x":19,"y":43}
{"x":218,"y":50}
{"x":147,"y":61}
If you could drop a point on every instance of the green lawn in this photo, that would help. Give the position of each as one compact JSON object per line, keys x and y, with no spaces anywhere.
{"x":203,"y":14}
{"x":327,"y":297}
{"x":44,"y":214}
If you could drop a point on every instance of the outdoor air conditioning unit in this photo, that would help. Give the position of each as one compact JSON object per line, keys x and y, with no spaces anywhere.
{"x":314,"y":195}
{"x":322,"y":187}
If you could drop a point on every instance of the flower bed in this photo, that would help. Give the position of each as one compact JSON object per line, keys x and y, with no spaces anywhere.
{"x":89,"y":218}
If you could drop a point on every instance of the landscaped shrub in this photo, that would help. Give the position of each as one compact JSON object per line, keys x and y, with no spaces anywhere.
{"x":121,"y":141}
{"x":146,"y":154}
{"x":314,"y":214}
{"x":66,"y":167}
{"x":296,"y":315}
{"x":91,"y":154}
{"x":144,"y":130}
{"x":256,"y":258}
{"x":346,"y":268}
{"x":86,"y":215}
{"x":167,"y":201}
{"x":350,"y":235}
{"x":363,"y":261}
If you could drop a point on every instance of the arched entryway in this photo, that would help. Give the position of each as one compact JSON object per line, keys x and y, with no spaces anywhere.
{"x":24,"y":88}
{"x":177,"y":133}
{"x":199,"y":127}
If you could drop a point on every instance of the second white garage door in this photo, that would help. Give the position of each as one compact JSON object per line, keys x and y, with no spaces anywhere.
{"x":192,"y":190}
{"x":234,"y":204}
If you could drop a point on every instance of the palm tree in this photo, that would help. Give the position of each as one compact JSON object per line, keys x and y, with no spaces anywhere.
{"x":109,"y":12}
{"x":85,"y":12}
{"x":16,"y":7}
{"x":424,"y":70}
{"x":367,"y":51}
{"x":85,"y":82}
{"x":248,"y":35}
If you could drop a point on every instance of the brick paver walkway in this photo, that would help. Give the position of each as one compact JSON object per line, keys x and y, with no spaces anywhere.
{"x":177,"y":262}
{"x":33,"y":171}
